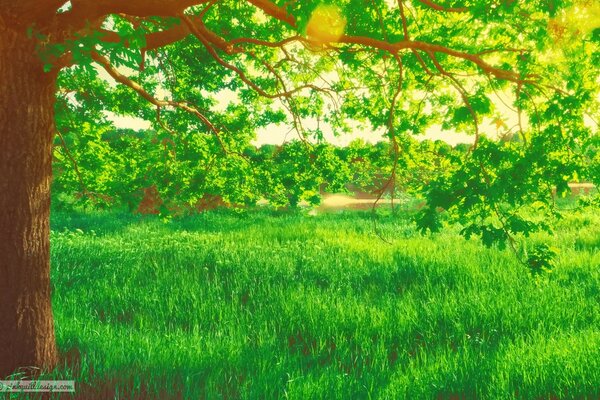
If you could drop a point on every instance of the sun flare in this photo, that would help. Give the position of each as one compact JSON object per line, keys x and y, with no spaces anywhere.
{"x":326,"y":25}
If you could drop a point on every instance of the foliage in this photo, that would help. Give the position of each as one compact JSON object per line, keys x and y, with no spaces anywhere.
{"x":395,"y":66}
{"x":100,"y":166}
{"x":541,"y":259}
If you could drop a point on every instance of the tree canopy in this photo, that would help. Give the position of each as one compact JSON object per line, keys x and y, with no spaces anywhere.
{"x":208,"y":74}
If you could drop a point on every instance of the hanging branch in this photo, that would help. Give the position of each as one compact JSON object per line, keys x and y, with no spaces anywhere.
{"x":119,"y":77}
{"x":463,"y":94}
{"x":439,"y":7}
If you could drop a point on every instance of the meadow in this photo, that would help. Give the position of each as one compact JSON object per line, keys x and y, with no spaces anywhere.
{"x":266,"y":305}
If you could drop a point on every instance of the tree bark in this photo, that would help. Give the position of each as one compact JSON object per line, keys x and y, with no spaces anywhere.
{"x":26,"y":133}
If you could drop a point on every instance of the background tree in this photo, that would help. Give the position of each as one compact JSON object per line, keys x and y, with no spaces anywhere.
{"x":398,"y":65}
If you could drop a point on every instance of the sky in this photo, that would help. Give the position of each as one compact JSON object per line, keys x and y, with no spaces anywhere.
{"x":278,"y":134}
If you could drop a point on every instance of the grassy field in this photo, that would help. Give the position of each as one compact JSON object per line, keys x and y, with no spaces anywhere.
{"x":291,"y":306}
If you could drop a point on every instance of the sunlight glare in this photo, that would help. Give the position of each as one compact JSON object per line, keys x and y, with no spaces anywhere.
{"x":326,"y":25}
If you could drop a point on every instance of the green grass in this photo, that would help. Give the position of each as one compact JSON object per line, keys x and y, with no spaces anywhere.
{"x":289,"y":306}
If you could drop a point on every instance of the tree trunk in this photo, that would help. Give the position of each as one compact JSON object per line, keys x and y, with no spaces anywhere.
{"x":26,"y":133}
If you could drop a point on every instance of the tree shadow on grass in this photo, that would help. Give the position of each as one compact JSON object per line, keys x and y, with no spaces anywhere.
{"x":100,"y":222}
{"x":222,"y":220}
{"x":118,"y":221}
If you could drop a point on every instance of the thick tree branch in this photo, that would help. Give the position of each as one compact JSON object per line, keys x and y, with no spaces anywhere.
{"x":275,"y":11}
{"x":88,"y":9}
{"x":84,"y":12}
{"x":30,"y":11}
{"x":154,"y":40}
{"x":404,"y":21}
{"x":173,"y":34}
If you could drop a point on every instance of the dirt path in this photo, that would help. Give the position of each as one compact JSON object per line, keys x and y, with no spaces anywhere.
{"x":332,"y":202}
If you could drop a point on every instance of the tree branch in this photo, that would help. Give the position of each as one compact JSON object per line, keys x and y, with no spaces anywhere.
{"x":120,"y":78}
{"x":463,"y":94}
{"x":154,"y":40}
{"x":275,"y":11}
{"x":439,"y":7}
{"x":86,"y":11}
{"x":198,"y":32}
{"x":394,"y":48}
{"x":30,"y":11}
